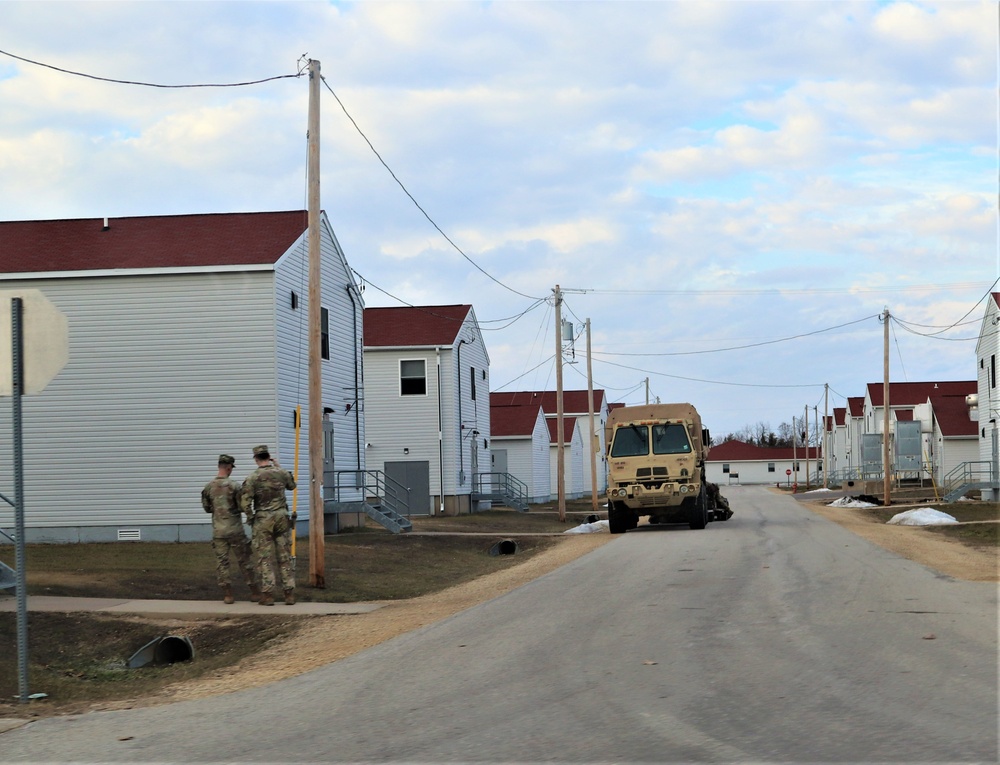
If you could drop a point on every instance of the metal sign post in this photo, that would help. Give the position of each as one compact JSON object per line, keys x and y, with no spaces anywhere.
{"x":17,"y":384}
{"x":42,"y":341}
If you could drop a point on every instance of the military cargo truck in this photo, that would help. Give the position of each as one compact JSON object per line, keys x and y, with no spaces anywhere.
{"x":656,"y":466}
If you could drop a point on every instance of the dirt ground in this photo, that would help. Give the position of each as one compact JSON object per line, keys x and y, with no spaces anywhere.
{"x":328,"y":639}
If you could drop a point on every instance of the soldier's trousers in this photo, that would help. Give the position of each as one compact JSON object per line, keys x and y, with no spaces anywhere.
{"x":272,"y":534}
{"x":239,"y":545}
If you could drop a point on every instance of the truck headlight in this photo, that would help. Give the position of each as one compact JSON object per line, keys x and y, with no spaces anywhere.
{"x":622,"y":492}
{"x":684,"y":488}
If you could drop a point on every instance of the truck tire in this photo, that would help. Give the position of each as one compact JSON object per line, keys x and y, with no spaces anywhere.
{"x":698,"y":512}
{"x":618,"y":518}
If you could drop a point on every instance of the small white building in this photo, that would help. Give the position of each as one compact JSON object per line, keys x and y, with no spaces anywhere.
{"x":987,"y":396}
{"x":188,"y":338}
{"x":575,"y":404}
{"x":520,"y":447}
{"x":573,"y":473}
{"x":911,"y":423}
{"x":736,"y":462}
{"x":427,"y":403}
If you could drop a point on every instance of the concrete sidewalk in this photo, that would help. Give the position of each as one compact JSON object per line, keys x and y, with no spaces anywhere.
{"x":182,"y":607}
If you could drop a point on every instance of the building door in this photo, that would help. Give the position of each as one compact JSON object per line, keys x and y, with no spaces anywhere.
{"x":329,"y":477}
{"x":498,"y":459}
{"x":415,"y":476}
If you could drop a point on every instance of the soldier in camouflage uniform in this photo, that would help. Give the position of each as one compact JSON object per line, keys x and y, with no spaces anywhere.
{"x":263,"y":501}
{"x":221,"y":498}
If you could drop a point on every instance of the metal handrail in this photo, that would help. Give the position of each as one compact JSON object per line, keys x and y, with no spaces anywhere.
{"x":375,"y":484}
{"x":500,"y":485}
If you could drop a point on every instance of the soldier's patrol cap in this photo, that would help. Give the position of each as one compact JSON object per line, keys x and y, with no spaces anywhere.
{"x":262,"y":449}
{"x":225,"y":459}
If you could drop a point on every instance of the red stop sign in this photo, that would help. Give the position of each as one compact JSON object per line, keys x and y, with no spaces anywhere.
{"x":788,"y":471}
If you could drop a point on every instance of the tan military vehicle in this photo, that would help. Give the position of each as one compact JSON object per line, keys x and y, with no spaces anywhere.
{"x":656,"y":466}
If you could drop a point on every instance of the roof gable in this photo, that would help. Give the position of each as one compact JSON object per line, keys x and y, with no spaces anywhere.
{"x":573,"y":400}
{"x":150,"y":242}
{"x":414,"y":325}
{"x":740,"y":451}
{"x":569,"y":427}
{"x":513,"y":420}
{"x":916,"y":393}
{"x":952,"y":415}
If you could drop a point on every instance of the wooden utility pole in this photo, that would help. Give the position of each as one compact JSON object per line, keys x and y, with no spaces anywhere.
{"x":317,"y":564}
{"x":594,"y":440}
{"x":826,"y":438}
{"x":886,"y":465}
{"x":560,"y":447}
{"x":795,"y":453}
{"x":807,"y":446}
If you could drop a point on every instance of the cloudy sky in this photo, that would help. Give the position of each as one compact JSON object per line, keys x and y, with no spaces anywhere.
{"x":731,"y":192}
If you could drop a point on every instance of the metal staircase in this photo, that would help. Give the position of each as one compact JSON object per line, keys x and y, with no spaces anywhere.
{"x":968,"y":476}
{"x":387,"y":502}
{"x":502,"y":488}
{"x":8,"y":576}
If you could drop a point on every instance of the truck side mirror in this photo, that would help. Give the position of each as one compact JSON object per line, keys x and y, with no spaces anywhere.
{"x":706,"y":438}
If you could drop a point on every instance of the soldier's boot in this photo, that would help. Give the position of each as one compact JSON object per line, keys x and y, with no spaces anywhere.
{"x":289,"y":597}
{"x":227,"y":595}
{"x":255,"y":594}
{"x":266,"y":599}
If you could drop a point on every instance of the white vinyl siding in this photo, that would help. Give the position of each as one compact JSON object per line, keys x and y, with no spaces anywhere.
{"x":394,"y":422}
{"x":987,"y":349}
{"x":573,"y":462}
{"x":164,"y":373}
{"x":341,"y":374}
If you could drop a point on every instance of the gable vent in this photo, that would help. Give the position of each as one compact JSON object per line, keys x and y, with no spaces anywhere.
{"x":129,"y":535}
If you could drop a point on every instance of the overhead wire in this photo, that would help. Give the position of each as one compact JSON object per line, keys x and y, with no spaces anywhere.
{"x":424,"y":212}
{"x":742,"y":347}
{"x":151,"y":84}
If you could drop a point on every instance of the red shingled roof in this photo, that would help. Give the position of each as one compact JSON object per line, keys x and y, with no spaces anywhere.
{"x":569,"y":423}
{"x":952,"y":415}
{"x":513,"y":420}
{"x":840,"y":415}
{"x":739,"y":451}
{"x":573,"y":400}
{"x":915,"y":393}
{"x":161,"y":241}
{"x":422,"y":326}
{"x":856,"y":405}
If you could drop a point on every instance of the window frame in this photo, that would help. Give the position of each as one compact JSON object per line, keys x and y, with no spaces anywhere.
{"x":412,"y":377}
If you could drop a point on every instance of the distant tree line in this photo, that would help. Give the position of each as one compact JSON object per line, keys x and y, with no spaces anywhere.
{"x":761,"y":434}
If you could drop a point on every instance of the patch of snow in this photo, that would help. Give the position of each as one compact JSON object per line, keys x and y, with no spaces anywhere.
{"x":850,"y":502}
{"x":589,"y":528}
{"x":818,"y":491}
{"x":922,"y":516}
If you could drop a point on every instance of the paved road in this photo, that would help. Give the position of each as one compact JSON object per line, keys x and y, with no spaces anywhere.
{"x":774,"y":637}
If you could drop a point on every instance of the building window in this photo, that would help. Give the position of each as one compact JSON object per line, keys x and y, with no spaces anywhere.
{"x":324,"y":331}
{"x":993,"y":371}
{"x":472,"y":377}
{"x":770,"y":467}
{"x":412,"y":378}
{"x":725,"y":467}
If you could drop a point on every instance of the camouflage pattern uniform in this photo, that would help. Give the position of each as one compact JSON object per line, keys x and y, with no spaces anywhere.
{"x":221,"y":498}
{"x":263,"y":501}
{"x":718,"y":503}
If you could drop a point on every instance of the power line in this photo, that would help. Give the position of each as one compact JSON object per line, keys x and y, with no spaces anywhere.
{"x":151,"y":84}
{"x":416,"y":203}
{"x":782,"y":291}
{"x":741,"y":347}
{"x":711,"y":382}
{"x":510,"y":319}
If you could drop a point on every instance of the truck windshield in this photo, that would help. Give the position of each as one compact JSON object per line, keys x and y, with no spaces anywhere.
{"x":671,"y":439}
{"x":630,"y":441}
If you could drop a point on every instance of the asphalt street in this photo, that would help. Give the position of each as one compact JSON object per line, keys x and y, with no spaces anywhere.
{"x":774,"y":637}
